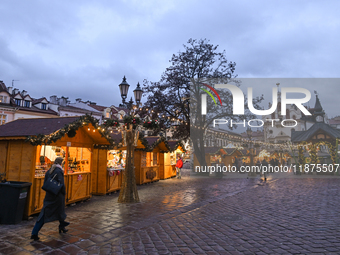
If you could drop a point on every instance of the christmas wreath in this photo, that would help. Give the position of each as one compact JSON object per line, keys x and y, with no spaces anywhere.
{"x":129,"y":120}
{"x":151,"y":124}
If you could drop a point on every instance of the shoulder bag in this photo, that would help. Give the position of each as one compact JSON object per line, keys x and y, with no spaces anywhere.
{"x":52,"y":185}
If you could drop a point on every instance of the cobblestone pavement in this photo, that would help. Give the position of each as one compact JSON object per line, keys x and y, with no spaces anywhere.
{"x":196,"y":216}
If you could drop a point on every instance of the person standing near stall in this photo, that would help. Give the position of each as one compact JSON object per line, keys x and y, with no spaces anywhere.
{"x":54,"y":205}
{"x":179,"y":165}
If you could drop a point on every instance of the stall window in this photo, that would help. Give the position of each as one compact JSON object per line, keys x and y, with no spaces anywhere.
{"x":78,"y":159}
{"x":172,"y":158}
{"x":149,"y":159}
{"x":116,"y":159}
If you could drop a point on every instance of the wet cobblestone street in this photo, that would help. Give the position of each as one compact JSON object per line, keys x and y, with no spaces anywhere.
{"x":196,"y":216}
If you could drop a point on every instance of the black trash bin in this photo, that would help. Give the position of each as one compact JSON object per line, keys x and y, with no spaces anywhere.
{"x":13,"y":196}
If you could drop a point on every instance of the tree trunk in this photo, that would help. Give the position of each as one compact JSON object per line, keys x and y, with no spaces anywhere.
{"x":128,"y":192}
{"x":199,"y":150}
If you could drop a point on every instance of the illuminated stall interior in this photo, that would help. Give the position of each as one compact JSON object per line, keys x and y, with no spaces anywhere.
{"x":31,"y":145}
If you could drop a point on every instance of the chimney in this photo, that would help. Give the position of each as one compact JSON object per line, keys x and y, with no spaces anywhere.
{"x":78,"y":100}
{"x":10,"y":90}
{"x":24,"y":93}
{"x":63,"y":101}
{"x":53,"y":99}
{"x":15,"y":91}
{"x":93,"y":103}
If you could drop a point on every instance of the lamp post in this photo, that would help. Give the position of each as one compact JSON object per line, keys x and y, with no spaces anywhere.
{"x":128,"y":192}
{"x":249,"y":133}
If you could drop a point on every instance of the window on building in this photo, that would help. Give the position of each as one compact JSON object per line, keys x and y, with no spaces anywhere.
{"x":2,"y":119}
{"x":27,"y":103}
{"x":18,"y":102}
{"x":43,"y":106}
{"x":3,"y":99}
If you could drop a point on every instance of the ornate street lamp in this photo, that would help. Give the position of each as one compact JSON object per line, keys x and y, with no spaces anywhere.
{"x":124,"y":88}
{"x":138,"y":92}
{"x":128,"y":192}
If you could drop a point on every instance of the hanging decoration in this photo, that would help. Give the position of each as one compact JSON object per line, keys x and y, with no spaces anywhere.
{"x":151,"y":147}
{"x":70,"y":129}
{"x":151,"y":124}
{"x":130,"y":120}
{"x":110,"y":123}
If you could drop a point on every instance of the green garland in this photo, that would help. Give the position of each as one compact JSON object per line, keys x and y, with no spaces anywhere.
{"x":149,"y":148}
{"x":129,"y":120}
{"x":70,"y":130}
{"x":110,"y":123}
{"x":151,"y":124}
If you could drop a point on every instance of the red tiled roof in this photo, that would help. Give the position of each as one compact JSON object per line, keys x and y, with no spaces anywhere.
{"x":98,"y":107}
{"x":31,"y":127}
{"x":37,"y":101}
{"x":77,"y":109}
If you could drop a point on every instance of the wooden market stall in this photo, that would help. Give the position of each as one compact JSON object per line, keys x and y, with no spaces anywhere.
{"x":212,"y":156}
{"x":147,"y":159}
{"x":29,"y":146}
{"x":154,"y":159}
{"x":108,"y":176}
{"x":168,"y":158}
{"x":229,"y":155}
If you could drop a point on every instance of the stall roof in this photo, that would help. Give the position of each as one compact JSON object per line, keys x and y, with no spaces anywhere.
{"x":212,"y":150}
{"x":300,"y":136}
{"x":50,"y":130}
{"x":32,"y":127}
{"x":151,"y":142}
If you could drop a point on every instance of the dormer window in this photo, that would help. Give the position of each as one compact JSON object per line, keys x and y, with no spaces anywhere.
{"x":3,"y":99}
{"x":107,"y":114}
{"x":43,"y":106}
{"x":18,"y":102}
{"x":27,"y":103}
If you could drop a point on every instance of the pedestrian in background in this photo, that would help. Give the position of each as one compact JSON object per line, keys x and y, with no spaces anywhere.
{"x":265,"y":163}
{"x":179,"y":165}
{"x":54,"y":205}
